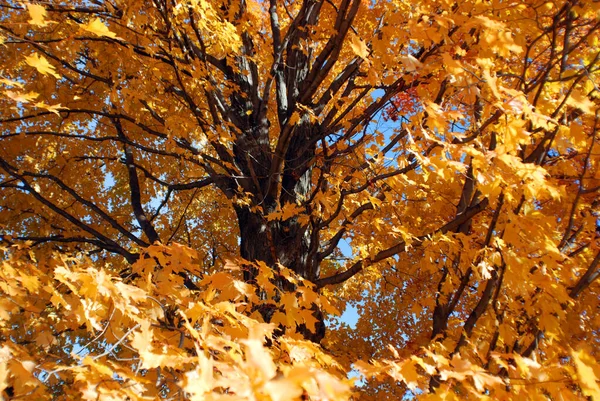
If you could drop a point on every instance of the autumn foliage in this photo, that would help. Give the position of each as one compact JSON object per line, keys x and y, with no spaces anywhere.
{"x":299,"y":200}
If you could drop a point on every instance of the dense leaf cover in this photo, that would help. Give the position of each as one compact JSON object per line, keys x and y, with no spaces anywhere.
{"x":192,"y":192}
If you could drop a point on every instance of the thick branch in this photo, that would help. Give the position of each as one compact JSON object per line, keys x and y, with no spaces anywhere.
{"x":591,"y":274}
{"x":134,"y":189}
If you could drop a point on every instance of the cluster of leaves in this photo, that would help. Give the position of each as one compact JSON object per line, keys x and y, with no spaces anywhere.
{"x":74,"y":329}
{"x":404,"y":103}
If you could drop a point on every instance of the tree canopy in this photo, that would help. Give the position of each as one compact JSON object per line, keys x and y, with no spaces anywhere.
{"x":193,"y":192}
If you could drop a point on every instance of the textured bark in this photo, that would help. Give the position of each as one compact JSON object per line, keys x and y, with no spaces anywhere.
{"x":285,"y":242}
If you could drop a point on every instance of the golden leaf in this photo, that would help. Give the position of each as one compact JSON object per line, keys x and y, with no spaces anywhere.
{"x":3,"y":376}
{"x":258,"y":358}
{"x":55,"y":108}
{"x":21,"y":97}
{"x":579,"y":100}
{"x":10,"y":82}
{"x":97,"y":27}
{"x":41,"y":64}
{"x":359,"y":47}
{"x":38,"y":14}
{"x":585,"y":372}
{"x":294,"y":118}
{"x":411,"y":64}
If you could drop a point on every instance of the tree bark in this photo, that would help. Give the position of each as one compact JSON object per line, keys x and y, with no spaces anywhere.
{"x":275,"y":242}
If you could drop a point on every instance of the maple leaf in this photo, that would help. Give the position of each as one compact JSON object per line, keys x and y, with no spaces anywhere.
{"x":5,"y":356}
{"x":462,"y":368}
{"x":258,"y":358}
{"x":3,"y":376}
{"x":586,"y":372}
{"x":485,"y":269}
{"x":359,"y":47}
{"x":288,"y":388}
{"x":10,"y":82}
{"x":41,"y":64}
{"x":45,"y":339}
{"x":581,"y":101}
{"x":98,"y":28}
{"x":38,"y":15}
{"x":52,"y":108}
{"x":21,"y":97}
{"x":201,"y":380}
{"x":411,"y":64}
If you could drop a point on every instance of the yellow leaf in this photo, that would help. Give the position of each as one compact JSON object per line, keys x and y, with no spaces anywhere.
{"x":10,"y":82}
{"x":451,"y":65}
{"x":285,"y":389}
{"x":142,"y":340}
{"x":258,"y":357}
{"x":367,"y":369}
{"x":463,"y":368}
{"x":201,"y":380}
{"x":410,"y":63}
{"x":37,"y":14}
{"x":406,"y":371}
{"x":97,"y":27}
{"x":309,"y":319}
{"x":579,"y":100}
{"x":3,"y":376}
{"x":54,"y":108}
{"x":290,"y":210}
{"x":525,"y":366}
{"x":491,"y":81}
{"x":21,"y":97}
{"x":359,"y":47}
{"x":218,"y":280}
{"x":97,"y":367}
{"x":41,"y":64}
{"x":587,"y":378}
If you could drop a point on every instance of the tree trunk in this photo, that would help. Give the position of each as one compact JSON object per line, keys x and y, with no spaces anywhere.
{"x":275,"y":242}
{"x":285,"y":242}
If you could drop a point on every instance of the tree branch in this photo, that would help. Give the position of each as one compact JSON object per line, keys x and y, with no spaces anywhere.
{"x":135,"y":192}
{"x":400,"y":247}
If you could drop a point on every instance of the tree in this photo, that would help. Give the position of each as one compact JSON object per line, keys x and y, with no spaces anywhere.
{"x":191,"y":189}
